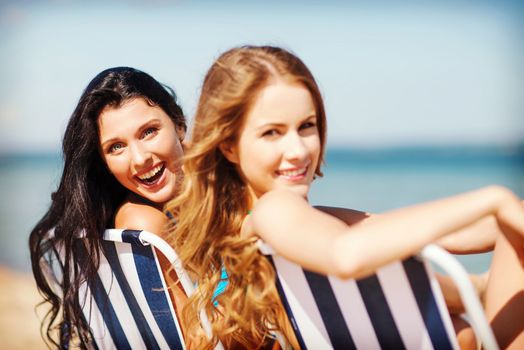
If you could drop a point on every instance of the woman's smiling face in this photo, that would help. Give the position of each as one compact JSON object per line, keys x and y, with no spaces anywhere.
{"x":142,"y":149}
{"x":279,"y":143}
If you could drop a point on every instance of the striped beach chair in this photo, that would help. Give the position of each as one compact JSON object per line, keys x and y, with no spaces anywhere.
{"x":399,"y":307}
{"x":128,"y":305}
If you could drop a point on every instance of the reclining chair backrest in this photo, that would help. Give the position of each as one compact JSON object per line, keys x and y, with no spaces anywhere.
{"x":399,"y":307}
{"x":128,"y":305}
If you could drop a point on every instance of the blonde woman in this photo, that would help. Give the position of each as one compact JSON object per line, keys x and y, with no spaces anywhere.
{"x":257,"y":144}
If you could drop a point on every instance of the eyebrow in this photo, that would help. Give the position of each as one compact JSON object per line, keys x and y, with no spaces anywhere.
{"x":108,"y":142}
{"x":270,"y":124}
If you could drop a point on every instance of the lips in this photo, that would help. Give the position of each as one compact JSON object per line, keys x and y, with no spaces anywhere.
{"x":151,"y":177}
{"x":293,"y":174}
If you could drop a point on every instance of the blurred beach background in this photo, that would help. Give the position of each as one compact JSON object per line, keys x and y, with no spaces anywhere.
{"x":424,"y":99}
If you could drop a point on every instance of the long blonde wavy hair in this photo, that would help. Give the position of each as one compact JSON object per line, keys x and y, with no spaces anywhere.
{"x":214,"y":202}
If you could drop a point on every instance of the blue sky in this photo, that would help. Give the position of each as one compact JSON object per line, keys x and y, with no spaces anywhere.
{"x":402,"y":74}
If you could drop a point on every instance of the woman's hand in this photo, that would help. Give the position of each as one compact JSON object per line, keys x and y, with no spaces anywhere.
{"x":452,"y":294}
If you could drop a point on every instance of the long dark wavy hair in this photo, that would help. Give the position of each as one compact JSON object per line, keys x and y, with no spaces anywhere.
{"x":86,"y":199}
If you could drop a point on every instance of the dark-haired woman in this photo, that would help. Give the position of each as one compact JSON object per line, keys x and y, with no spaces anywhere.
{"x":122,"y":162}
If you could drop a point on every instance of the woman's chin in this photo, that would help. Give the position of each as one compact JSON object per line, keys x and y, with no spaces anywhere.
{"x":301,"y":190}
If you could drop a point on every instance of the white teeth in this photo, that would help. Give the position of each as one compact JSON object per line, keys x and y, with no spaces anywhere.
{"x":292,"y":173}
{"x":150,"y":173}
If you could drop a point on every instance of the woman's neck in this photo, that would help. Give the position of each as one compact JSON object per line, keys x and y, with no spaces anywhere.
{"x":135,"y":198}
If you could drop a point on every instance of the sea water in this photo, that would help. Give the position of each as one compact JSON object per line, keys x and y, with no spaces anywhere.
{"x":369,"y":180}
{"x":26,"y":184}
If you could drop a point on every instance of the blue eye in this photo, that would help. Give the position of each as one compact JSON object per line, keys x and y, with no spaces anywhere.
{"x":149,"y":131}
{"x":270,"y":132}
{"x":308,"y":125}
{"x":115,"y":147}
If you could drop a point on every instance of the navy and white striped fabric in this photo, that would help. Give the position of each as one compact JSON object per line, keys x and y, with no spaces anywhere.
{"x":128,"y":306}
{"x":400,"y":307}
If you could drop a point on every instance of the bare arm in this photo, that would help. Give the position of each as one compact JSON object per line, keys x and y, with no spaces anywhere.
{"x":323,"y":243}
{"x":479,"y":237}
{"x":451,"y":293}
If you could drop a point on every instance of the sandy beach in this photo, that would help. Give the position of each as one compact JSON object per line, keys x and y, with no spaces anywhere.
{"x":19,"y":323}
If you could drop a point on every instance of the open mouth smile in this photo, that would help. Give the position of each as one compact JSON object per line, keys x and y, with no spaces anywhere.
{"x":152,"y":176}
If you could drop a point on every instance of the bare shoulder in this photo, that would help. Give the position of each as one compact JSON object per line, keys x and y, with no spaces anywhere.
{"x":283,"y":202}
{"x":349,"y":216}
{"x":281,"y":208}
{"x":140,"y":216}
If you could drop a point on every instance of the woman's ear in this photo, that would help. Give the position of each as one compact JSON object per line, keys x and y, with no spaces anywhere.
{"x":180,"y":132}
{"x":229,"y":150}
{"x":185,"y":145}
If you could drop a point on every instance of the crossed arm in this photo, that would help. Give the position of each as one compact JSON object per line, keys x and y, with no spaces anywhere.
{"x":353,"y":244}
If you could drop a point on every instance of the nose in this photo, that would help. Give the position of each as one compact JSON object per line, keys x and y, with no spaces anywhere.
{"x":295,"y":147}
{"x":140,"y":156}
